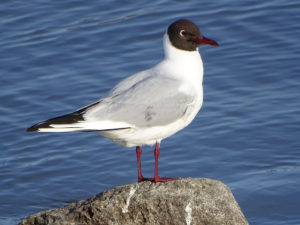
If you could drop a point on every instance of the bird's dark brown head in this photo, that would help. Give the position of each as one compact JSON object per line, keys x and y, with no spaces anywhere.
{"x":185,"y":35}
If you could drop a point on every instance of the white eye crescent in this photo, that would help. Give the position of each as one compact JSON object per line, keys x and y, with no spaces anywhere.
{"x":182,"y":33}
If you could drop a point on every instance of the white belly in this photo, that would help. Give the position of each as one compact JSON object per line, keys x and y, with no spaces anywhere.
{"x":150,"y":135}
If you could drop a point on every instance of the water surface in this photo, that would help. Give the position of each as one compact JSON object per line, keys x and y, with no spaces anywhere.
{"x":59,"y":56}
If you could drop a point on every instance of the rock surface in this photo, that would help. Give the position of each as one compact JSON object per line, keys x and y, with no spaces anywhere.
{"x":190,"y":201}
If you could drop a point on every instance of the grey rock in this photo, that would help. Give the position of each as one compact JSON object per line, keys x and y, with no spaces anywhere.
{"x":190,"y":201}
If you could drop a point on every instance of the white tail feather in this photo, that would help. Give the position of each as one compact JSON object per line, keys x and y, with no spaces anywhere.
{"x":86,"y":126}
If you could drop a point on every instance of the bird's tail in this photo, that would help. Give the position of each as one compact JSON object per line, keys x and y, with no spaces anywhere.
{"x":76,"y":122}
{"x":65,"y":123}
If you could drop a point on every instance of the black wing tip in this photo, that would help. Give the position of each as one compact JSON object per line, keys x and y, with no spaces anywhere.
{"x":65,"y":119}
{"x":32,"y":129}
{"x":36,"y":127}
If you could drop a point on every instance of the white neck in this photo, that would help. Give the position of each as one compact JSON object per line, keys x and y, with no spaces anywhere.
{"x":177,"y":54}
{"x":188,"y":63}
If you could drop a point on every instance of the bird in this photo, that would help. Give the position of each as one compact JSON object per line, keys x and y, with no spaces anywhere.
{"x":151,"y":105}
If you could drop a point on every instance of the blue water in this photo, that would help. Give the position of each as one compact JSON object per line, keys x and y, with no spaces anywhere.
{"x":58,"y":56}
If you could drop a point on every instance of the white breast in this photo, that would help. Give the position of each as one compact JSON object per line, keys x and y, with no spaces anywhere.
{"x":182,"y":65}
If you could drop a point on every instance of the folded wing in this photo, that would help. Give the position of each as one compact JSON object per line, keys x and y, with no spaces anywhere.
{"x":147,"y":103}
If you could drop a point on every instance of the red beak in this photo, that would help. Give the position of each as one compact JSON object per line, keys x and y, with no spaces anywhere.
{"x":205,"y":41}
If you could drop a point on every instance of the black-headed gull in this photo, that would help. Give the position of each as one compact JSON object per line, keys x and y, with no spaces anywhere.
{"x":148,"y":106}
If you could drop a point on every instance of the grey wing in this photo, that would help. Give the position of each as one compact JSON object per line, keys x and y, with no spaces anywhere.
{"x":151,"y":102}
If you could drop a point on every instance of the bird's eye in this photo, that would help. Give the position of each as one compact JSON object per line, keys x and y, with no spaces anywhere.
{"x":182,"y":33}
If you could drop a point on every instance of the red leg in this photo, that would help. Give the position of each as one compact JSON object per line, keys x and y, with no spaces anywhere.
{"x":138,"y":155}
{"x":156,"y":155}
{"x":156,"y":178}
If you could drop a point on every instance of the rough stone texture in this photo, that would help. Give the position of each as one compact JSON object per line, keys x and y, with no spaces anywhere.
{"x":190,"y":201}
